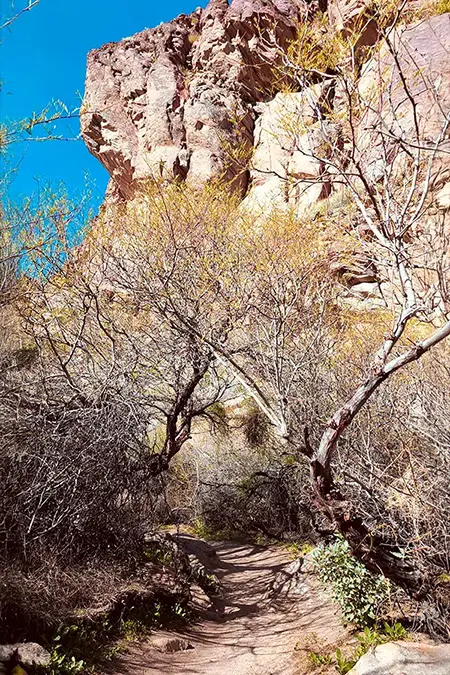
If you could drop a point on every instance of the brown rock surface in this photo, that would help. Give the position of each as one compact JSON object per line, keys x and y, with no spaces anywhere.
{"x":348,"y":15}
{"x":173,"y":101}
{"x":423,"y":60}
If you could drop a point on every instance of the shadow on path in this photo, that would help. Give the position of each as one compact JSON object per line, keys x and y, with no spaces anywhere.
{"x":249,"y":632}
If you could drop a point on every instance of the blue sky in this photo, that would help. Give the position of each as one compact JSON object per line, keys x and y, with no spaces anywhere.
{"x":43,"y":58}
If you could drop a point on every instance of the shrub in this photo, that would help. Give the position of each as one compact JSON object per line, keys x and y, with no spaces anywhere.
{"x":61,"y":664}
{"x":316,"y":659}
{"x":270,"y":501}
{"x":359,"y":592}
{"x":370,"y":637}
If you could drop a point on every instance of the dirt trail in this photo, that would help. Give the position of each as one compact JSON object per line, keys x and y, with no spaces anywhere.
{"x":248,"y":633}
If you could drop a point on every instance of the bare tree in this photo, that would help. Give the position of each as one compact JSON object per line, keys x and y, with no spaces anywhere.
{"x":191,"y":301}
{"x":17,"y":13}
{"x":385,"y":154}
{"x":99,"y":320}
{"x":263,"y":318}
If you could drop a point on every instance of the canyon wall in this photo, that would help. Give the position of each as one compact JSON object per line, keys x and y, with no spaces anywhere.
{"x":213,"y":95}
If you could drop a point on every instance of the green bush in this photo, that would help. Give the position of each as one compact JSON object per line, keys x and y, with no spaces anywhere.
{"x":62,"y":664}
{"x":359,"y":592}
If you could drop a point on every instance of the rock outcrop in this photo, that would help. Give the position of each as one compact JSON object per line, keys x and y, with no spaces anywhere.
{"x":196,"y":99}
{"x":205,"y":96}
{"x":413,"y":66}
{"x":422,"y":62}
{"x":346,"y":15}
{"x":177,"y":100}
{"x":285,"y":169}
{"x":405,"y":658}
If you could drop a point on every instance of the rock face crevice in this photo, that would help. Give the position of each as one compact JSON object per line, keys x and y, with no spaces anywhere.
{"x":178,"y":100}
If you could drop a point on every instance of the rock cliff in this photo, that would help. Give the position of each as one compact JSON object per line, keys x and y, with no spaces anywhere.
{"x":197,"y":97}
{"x":176,"y":100}
{"x":209,"y":95}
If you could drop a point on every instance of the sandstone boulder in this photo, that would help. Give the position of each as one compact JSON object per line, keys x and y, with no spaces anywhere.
{"x":286,"y":169}
{"x":405,"y":658}
{"x":29,"y":654}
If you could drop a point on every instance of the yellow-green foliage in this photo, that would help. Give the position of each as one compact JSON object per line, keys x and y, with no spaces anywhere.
{"x":213,"y":242}
{"x":317,"y":47}
{"x":319,"y":653}
{"x":320,"y":47}
{"x":200,"y":529}
{"x":4,"y":137}
{"x":433,"y":8}
{"x":298,"y":550}
{"x":442,"y":7}
{"x":444,"y":578}
{"x":192,"y":38}
{"x":133,"y":630}
{"x":316,"y":659}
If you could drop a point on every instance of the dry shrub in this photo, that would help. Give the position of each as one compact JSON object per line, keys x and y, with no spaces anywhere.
{"x":238,"y":480}
{"x":76,"y":501}
{"x":394,"y":461}
{"x":52,"y":594}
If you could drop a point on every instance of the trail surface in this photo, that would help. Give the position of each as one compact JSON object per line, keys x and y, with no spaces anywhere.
{"x":253,"y":629}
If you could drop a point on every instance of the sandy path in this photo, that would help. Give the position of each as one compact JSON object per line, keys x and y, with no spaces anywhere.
{"x":248,"y":634}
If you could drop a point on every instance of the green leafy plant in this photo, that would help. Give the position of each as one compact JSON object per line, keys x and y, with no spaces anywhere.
{"x":82,"y":647}
{"x":200,"y":529}
{"x":293,"y":550}
{"x":263,"y":540}
{"x":343,"y":664}
{"x":159,"y":556}
{"x":297,"y":550}
{"x":133,"y":630}
{"x":359,"y":592}
{"x":63,"y":664}
{"x":307,"y":548}
{"x":395,"y":632}
{"x":179,"y":611}
{"x":317,"y":659}
{"x":368,"y":638}
{"x":211,"y":584}
{"x":444,"y":578}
